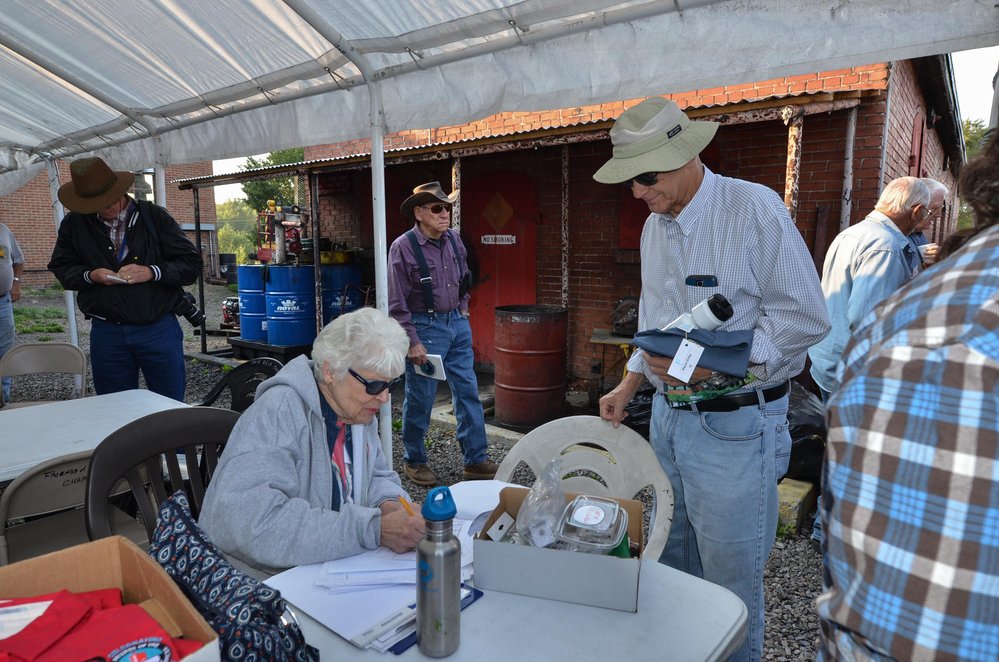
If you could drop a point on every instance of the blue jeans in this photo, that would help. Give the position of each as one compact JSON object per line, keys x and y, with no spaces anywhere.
{"x":724,"y":468}
{"x":119,"y":351}
{"x":6,"y":336}
{"x":450,"y":335}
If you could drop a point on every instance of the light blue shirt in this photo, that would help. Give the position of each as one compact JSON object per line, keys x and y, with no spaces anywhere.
{"x":741,"y":233}
{"x":866,"y":263}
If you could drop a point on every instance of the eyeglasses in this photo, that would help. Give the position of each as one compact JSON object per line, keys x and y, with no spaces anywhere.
{"x":645,"y":179}
{"x":374,"y":386}
{"x":437,"y":207}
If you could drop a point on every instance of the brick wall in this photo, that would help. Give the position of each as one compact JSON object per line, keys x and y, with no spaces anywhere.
{"x":28,"y":213}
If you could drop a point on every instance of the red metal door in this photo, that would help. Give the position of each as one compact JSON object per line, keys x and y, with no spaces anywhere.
{"x":499,"y":215}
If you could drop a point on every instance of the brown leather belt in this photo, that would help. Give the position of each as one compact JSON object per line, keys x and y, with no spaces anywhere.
{"x":735,"y":402}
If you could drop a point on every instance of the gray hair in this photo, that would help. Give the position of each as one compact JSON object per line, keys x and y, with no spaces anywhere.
{"x":903,"y":194}
{"x":934,"y":186}
{"x":365,"y":339}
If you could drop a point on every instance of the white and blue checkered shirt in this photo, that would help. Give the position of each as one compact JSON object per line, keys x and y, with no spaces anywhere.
{"x":740,"y":233}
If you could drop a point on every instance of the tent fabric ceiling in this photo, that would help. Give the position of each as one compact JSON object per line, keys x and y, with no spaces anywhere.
{"x":158,"y":82}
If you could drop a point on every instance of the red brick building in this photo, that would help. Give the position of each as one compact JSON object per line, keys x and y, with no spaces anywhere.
{"x":546,"y":233}
{"x":28,"y":213}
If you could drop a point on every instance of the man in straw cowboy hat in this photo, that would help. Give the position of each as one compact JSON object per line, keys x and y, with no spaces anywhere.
{"x":710,"y":234}
{"x":428,"y":296}
{"x":128,"y":260}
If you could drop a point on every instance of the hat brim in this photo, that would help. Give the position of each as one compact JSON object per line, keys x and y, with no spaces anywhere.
{"x":422,"y":198}
{"x":75,"y":203}
{"x":673,"y":155}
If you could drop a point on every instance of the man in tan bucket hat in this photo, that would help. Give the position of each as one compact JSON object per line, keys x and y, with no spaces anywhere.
{"x":128,"y":260}
{"x":708,"y":235}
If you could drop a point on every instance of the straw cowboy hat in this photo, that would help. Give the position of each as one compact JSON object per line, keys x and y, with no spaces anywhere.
{"x":424,"y":193}
{"x":654,"y":136}
{"x":94,"y":186}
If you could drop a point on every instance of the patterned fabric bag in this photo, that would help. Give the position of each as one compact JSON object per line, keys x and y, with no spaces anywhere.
{"x":252,"y":620}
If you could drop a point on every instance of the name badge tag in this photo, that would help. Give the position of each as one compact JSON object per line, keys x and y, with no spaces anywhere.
{"x":685,"y":360}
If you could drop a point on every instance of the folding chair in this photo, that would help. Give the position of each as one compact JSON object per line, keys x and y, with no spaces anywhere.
{"x":44,"y":357}
{"x":41,"y":510}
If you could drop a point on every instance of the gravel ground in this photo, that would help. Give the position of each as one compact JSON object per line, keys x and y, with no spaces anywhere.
{"x":793,"y":573}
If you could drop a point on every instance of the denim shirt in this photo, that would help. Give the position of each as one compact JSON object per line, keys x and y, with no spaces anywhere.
{"x":866,"y":263}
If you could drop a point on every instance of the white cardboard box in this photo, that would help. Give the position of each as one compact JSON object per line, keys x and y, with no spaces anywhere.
{"x":114,"y":562}
{"x":589,"y":579}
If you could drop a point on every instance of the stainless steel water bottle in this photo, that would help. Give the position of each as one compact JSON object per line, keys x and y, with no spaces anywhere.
{"x":438,"y":578}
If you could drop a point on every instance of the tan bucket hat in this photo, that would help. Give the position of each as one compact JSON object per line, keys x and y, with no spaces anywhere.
{"x":93,"y":186}
{"x":423,"y":194}
{"x":654,"y":136}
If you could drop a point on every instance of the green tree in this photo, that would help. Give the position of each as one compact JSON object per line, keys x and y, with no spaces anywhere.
{"x":974,"y":140}
{"x":232,"y":240}
{"x":235,"y":212}
{"x":280,"y":189}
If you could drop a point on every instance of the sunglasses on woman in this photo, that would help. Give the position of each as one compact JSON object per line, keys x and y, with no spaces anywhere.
{"x":645,"y":179}
{"x":437,"y":207}
{"x":374,"y":386}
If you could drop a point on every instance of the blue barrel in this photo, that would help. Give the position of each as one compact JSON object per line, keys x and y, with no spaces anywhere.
{"x":290,"y":303}
{"x":250,"y":287}
{"x":341,"y":290}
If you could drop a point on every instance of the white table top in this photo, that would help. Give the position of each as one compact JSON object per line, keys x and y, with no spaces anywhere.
{"x":680,"y":618}
{"x":30,"y":435}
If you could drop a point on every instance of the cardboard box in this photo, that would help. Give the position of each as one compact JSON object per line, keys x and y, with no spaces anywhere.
{"x":589,"y":579}
{"x":114,"y":563}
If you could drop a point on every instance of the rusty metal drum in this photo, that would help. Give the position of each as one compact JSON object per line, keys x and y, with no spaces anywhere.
{"x":530,"y":364}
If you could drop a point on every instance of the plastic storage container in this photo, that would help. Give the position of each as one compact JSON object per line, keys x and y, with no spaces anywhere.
{"x":592,"y":524}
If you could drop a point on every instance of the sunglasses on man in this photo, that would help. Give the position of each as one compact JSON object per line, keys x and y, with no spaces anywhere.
{"x":437,"y":207}
{"x":374,"y":386}
{"x":645,"y":179}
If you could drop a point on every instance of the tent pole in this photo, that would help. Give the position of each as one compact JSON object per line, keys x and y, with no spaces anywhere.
{"x":58,"y":213}
{"x":381,"y":243}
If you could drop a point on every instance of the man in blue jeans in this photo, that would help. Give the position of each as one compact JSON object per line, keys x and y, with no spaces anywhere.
{"x":707,"y":235}
{"x":428,"y":296}
{"x":11,"y":265}
{"x":128,"y":260}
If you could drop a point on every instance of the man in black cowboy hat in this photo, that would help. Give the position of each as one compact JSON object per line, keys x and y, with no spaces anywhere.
{"x":428,"y":296}
{"x":128,"y":260}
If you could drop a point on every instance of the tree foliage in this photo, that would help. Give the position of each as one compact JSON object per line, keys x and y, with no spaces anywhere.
{"x":232,"y":240}
{"x":281,"y":189}
{"x":974,"y":139}
{"x":235,"y":212}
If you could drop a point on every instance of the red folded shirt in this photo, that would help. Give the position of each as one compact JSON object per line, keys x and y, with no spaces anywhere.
{"x":90,"y":626}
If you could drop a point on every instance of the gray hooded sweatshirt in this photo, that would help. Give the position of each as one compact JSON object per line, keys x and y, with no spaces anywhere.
{"x":268,"y":507}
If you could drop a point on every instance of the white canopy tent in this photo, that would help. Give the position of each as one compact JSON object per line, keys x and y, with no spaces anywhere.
{"x":156,"y":82}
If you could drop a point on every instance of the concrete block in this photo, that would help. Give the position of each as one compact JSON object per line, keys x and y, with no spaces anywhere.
{"x":796,"y":499}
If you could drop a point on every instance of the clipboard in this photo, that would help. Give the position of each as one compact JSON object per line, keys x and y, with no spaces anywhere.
{"x":403,"y":645}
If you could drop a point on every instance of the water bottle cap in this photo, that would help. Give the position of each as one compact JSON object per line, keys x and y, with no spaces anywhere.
{"x":439,"y":506}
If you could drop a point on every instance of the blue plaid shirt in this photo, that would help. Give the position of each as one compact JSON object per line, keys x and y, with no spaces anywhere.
{"x":911,"y":480}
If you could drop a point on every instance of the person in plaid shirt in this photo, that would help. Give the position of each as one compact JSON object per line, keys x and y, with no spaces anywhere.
{"x":911,"y":478}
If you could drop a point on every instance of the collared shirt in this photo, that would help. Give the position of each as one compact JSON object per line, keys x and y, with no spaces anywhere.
{"x":446,"y":269}
{"x":865,"y":264}
{"x":740,"y":233}
{"x":10,"y":254}
{"x":911,"y":480}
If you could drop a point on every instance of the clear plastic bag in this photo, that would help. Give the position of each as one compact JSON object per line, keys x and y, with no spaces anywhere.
{"x":539,"y":515}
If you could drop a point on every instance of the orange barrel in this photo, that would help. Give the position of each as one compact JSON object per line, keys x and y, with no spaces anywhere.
{"x":530,"y":363}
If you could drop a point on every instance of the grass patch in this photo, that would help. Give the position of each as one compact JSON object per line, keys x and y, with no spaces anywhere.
{"x":39,"y":319}
{"x":786,"y":530}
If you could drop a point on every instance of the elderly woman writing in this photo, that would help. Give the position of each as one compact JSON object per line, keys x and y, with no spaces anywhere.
{"x":303,"y":478}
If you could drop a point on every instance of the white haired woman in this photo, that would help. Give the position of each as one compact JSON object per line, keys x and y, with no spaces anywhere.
{"x":303,"y":478}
